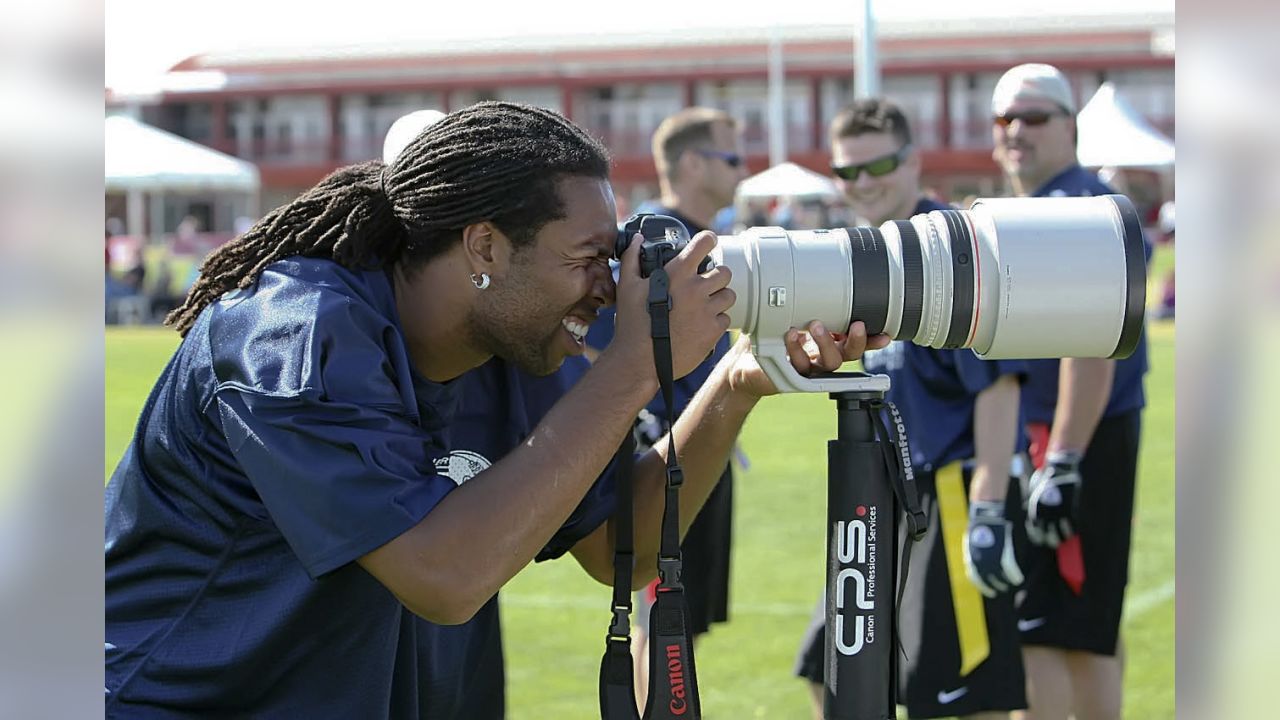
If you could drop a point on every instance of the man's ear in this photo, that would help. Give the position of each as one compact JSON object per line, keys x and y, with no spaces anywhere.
{"x":486,"y":248}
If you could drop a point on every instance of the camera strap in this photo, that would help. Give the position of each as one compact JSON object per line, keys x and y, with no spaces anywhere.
{"x":897,"y":457}
{"x":673,"y":685}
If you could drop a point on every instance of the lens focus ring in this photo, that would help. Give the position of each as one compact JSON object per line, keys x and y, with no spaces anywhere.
{"x":912,"y":280}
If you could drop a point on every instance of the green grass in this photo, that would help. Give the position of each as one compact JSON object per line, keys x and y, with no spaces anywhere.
{"x":134,"y":358}
{"x":745,"y":666}
{"x":554,"y":618}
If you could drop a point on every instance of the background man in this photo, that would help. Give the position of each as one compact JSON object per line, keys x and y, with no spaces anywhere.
{"x":699,"y":159}
{"x":962,"y":423}
{"x":1084,"y":420}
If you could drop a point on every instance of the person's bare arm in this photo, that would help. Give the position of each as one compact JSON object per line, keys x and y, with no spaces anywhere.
{"x":1084,"y":386}
{"x":995,"y":429}
{"x":481,"y":534}
{"x":705,"y":434}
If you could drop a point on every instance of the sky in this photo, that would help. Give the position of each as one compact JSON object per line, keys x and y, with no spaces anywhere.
{"x":146,"y":37}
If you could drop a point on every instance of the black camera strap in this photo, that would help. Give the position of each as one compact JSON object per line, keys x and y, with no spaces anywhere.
{"x":897,"y":458}
{"x":673,"y":685}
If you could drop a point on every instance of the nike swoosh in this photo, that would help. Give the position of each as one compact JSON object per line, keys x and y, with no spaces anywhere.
{"x":1032,"y":624}
{"x":946,"y":698}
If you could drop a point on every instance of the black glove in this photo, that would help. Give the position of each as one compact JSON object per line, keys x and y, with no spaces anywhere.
{"x":988,"y":549}
{"x":1053,"y":499}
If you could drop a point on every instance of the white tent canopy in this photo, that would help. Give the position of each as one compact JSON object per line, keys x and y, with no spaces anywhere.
{"x":787,"y":180}
{"x":1113,"y":134}
{"x":141,"y":157}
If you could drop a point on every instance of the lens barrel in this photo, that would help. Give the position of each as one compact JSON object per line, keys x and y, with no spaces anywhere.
{"x":1010,"y":278}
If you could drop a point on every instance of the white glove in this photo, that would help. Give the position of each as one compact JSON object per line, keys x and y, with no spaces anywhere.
{"x":988,"y":549}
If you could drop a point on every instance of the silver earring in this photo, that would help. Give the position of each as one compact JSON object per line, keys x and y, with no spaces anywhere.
{"x":481,"y":281}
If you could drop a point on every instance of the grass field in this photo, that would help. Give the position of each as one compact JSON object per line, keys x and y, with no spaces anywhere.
{"x":552,"y":611}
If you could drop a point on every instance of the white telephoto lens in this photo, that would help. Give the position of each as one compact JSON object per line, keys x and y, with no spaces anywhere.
{"x":1062,"y":277}
{"x":1009,"y":278}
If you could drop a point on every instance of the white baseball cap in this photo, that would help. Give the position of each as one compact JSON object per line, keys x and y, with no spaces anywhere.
{"x":404,"y":130}
{"x":1032,"y":81}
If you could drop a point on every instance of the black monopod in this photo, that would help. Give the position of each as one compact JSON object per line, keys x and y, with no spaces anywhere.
{"x":870,"y":491}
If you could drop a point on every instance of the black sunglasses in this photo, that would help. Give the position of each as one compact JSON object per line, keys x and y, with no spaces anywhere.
{"x":731,"y":159}
{"x":878,"y":167}
{"x":1030,"y":118}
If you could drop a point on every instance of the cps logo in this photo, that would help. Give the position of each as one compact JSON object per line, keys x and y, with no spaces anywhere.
{"x":852,"y":547}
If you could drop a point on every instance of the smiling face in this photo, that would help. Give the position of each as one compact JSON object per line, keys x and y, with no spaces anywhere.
{"x":877,"y":199}
{"x":537,"y":310}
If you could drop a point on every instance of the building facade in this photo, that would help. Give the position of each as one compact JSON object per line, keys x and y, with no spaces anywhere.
{"x":300,"y":115}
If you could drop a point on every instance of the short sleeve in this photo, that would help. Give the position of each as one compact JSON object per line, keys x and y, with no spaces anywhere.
{"x":339,"y":480}
{"x":318,"y":404}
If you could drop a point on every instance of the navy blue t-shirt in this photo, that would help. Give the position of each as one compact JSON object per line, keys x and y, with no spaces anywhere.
{"x":936,"y":390}
{"x":287,"y":437}
{"x":1040,"y":394}
{"x":601,"y":333}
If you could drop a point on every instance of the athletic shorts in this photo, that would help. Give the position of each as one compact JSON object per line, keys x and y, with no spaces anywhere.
{"x":1050,"y":612}
{"x":705,"y":554}
{"x":947,"y":671}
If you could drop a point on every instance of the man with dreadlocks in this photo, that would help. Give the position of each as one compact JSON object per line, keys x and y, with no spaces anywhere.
{"x":282,"y":508}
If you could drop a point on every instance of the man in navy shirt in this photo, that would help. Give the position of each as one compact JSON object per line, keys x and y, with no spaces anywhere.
{"x":287,"y":504}
{"x":1084,"y":418}
{"x":461,"y":671}
{"x":961,"y":414}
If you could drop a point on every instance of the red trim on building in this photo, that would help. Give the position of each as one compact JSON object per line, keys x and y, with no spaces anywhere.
{"x":574,"y":70}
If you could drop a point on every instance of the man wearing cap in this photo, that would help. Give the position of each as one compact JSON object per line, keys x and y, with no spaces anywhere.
{"x":1084,"y":418}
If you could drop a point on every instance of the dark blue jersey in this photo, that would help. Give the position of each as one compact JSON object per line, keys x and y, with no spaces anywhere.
{"x":289,"y":436}
{"x":935,"y":390}
{"x":1040,"y":394}
{"x":601,"y":333}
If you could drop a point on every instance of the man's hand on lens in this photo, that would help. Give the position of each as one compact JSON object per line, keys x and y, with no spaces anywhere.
{"x":813,"y":350}
{"x":1053,"y":497}
{"x":988,"y":549}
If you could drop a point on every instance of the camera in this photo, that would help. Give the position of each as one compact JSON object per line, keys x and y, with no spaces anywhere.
{"x":664,"y":238}
{"x":1009,"y":278}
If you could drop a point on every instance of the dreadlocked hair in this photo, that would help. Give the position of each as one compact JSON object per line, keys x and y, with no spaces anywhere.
{"x":498,"y":162}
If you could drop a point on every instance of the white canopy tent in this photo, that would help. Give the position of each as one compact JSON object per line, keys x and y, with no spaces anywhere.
{"x":1113,"y":134}
{"x":787,"y":180}
{"x":144,"y":159}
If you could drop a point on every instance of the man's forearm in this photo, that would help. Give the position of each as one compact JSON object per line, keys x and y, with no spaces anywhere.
{"x":1084,"y":387}
{"x":995,"y":428}
{"x":704,"y":434}
{"x":484,"y":532}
